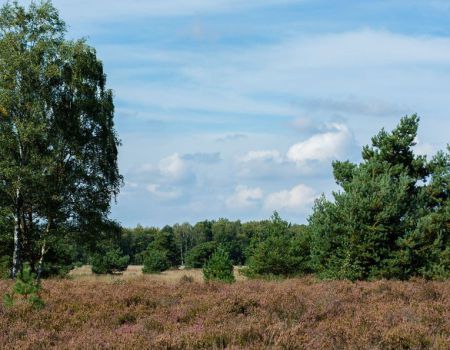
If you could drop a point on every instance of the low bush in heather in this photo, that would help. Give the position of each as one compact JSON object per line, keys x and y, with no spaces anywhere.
{"x":155,"y":261}
{"x":26,"y":288}
{"x":219,"y":267}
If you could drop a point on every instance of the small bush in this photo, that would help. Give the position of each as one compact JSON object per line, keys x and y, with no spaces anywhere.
{"x":26,"y":287}
{"x":111,"y":261}
{"x":155,"y":261}
{"x":219,"y":267}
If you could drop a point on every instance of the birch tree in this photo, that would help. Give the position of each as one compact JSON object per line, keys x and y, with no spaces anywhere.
{"x":58,"y":145}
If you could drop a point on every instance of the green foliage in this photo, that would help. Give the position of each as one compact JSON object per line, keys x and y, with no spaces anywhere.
{"x":280,"y":252}
{"x":219,"y":267}
{"x":155,"y":261}
{"x":391,"y":219}
{"x":229,"y":234}
{"x":200,"y":254}
{"x":165,"y":241}
{"x":134,"y":242}
{"x":61,"y":256}
{"x":202,"y":231}
{"x":58,"y":145}
{"x":109,"y":260}
{"x":184,"y":239}
{"x":27,"y":288}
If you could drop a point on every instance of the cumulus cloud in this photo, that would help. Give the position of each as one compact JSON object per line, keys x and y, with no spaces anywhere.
{"x":244,"y":197}
{"x":311,"y":156}
{"x":297,"y":198}
{"x":175,"y":169}
{"x":321,"y":147}
{"x":165,"y":180}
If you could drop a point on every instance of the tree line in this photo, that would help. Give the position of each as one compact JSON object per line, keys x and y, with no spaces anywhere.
{"x":59,"y":173}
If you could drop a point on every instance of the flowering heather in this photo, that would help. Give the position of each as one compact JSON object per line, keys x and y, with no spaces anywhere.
{"x":302,"y":313}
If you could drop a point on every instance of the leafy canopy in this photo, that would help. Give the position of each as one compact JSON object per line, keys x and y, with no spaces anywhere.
{"x":58,"y":146}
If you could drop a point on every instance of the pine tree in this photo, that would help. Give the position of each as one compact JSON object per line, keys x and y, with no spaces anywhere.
{"x":219,"y":267}
{"x":280,"y":252}
{"x":26,"y":288}
{"x":155,"y":261}
{"x":391,"y":217}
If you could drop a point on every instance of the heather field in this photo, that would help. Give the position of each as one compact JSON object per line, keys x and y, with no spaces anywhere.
{"x":147,"y":313}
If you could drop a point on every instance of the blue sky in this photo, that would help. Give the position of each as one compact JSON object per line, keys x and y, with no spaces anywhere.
{"x":236,"y":108}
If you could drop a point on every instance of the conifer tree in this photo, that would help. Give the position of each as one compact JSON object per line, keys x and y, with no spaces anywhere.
{"x":391,"y":217}
{"x":219,"y":267}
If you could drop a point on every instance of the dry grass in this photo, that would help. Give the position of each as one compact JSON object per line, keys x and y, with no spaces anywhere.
{"x":146,"y":313}
{"x":135,"y":271}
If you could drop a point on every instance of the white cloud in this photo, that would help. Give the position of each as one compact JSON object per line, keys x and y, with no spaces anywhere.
{"x":298,"y":198}
{"x":173,"y":167}
{"x":244,"y":197}
{"x":271,"y":155}
{"x":321,"y":147}
{"x":309,"y":157}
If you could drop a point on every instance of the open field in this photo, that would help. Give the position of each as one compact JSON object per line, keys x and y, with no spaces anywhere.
{"x":135,"y":271}
{"x":146,"y":313}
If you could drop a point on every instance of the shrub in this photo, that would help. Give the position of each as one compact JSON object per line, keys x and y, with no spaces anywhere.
{"x":111,"y":261}
{"x":200,"y":254}
{"x":27,"y":287}
{"x":155,"y":261}
{"x":219,"y":267}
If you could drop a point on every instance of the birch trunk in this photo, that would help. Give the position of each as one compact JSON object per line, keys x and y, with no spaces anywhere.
{"x":43,"y":251}
{"x":18,"y":203}
{"x":16,"y":254}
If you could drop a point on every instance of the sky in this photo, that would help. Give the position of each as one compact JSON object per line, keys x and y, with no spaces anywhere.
{"x":236,"y":108}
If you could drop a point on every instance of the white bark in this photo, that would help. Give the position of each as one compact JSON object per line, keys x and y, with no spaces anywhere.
{"x":16,"y":254}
